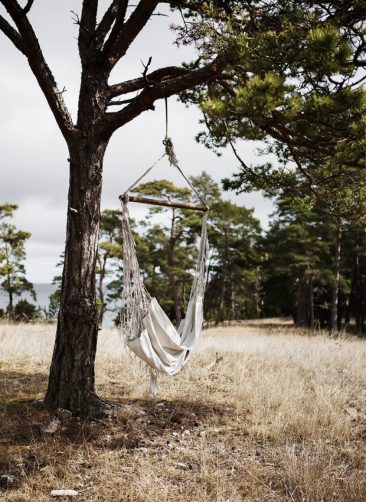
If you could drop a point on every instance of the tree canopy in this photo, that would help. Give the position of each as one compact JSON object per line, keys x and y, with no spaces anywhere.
{"x":295,"y":80}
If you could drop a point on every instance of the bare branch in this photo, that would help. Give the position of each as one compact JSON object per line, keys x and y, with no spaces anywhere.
{"x":12,"y":34}
{"x":146,"y":67}
{"x":163,"y":74}
{"x":225,"y":85}
{"x":118,"y":25}
{"x":28,"y":7}
{"x":360,"y":63}
{"x":75,"y":17}
{"x":106,"y":22}
{"x":145,"y":100}
{"x":39,"y":66}
{"x":123,"y":35}
{"x":87,"y":23}
{"x":121,"y":102}
{"x":244,"y":166}
{"x":303,"y":171}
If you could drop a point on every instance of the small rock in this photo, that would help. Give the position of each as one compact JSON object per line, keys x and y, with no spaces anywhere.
{"x":8,"y":481}
{"x":51,"y":427}
{"x":187,"y":432}
{"x":64,"y":493}
{"x":182,"y":466}
{"x":64,"y":415}
{"x":148,"y":442}
{"x":175,"y":434}
{"x":352,"y":412}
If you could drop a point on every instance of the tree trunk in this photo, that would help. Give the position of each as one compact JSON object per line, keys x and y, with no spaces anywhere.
{"x":357,"y":297}
{"x":10,"y":307}
{"x":11,"y":303}
{"x":232,"y":302}
{"x":305,"y":302}
{"x":102,"y":263}
{"x":225,"y":274}
{"x":334,"y":310}
{"x":71,"y":381}
{"x":352,"y":298}
{"x":363,"y":298}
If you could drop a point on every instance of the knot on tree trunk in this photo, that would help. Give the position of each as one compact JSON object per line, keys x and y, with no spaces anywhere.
{"x":82,"y":308}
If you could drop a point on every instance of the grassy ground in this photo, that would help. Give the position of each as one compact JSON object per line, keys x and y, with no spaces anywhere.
{"x":258,"y":415}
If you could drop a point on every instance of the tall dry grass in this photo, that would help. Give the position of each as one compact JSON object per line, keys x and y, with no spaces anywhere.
{"x":259,"y":414}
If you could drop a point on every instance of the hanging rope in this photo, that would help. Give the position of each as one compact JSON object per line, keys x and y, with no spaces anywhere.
{"x":170,"y":153}
{"x":173,"y":161}
{"x":143,"y":175}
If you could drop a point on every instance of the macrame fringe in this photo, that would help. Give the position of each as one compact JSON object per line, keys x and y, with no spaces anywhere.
{"x":154,"y":387}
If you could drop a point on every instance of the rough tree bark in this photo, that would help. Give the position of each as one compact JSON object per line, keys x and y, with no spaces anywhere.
{"x":71,"y":380}
{"x":334,"y":309}
{"x":101,"y":46}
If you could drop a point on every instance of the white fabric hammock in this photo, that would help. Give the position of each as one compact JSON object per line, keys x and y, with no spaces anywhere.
{"x":146,"y":329}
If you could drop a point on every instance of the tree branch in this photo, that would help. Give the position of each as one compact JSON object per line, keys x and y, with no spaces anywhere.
{"x":119,"y":19}
{"x":123,"y":35}
{"x":303,"y":171}
{"x":145,"y":100}
{"x":106,"y":23}
{"x":235,"y":152}
{"x":39,"y":66}
{"x":28,"y":7}
{"x":12,"y":34}
{"x":152,"y":78}
{"x":87,"y":28}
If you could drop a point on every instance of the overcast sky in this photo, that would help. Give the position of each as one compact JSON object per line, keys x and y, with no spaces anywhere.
{"x":33,"y":154}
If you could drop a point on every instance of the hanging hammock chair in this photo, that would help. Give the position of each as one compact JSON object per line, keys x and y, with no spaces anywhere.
{"x":146,"y":329}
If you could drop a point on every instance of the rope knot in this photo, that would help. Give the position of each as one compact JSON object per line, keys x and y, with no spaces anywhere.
{"x":169,"y":150}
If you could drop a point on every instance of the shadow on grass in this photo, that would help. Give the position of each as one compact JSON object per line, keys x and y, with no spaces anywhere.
{"x":139,"y":425}
{"x":22,"y":417}
{"x":20,"y":412}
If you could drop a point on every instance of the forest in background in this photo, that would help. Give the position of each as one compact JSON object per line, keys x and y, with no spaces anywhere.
{"x":309,"y":264}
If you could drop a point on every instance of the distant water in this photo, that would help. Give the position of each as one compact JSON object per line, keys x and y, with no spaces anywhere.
{"x":43,"y":292}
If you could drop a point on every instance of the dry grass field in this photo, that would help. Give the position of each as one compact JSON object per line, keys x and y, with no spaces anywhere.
{"x":259,"y":414}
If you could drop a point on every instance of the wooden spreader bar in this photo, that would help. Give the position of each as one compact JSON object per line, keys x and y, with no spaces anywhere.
{"x":163,"y":202}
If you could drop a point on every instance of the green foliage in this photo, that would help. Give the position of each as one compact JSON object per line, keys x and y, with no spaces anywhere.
{"x":109,"y":254}
{"x":289,"y":271}
{"x":12,"y":257}
{"x":25,"y":311}
{"x":166,"y":243}
{"x":299,"y":249}
{"x":55,"y":297}
{"x":294,"y":81}
{"x":233,"y":285}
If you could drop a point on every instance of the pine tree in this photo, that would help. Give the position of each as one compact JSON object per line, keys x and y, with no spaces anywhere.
{"x":12,"y":258}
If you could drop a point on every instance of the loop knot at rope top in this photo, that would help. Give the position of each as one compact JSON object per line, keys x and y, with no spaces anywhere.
{"x":169,"y":151}
{"x":173,"y":161}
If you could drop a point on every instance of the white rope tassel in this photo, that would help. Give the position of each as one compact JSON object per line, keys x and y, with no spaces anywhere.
{"x":154,"y":387}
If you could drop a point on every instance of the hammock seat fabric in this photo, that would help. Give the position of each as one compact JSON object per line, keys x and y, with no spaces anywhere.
{"x":147,"y":330}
